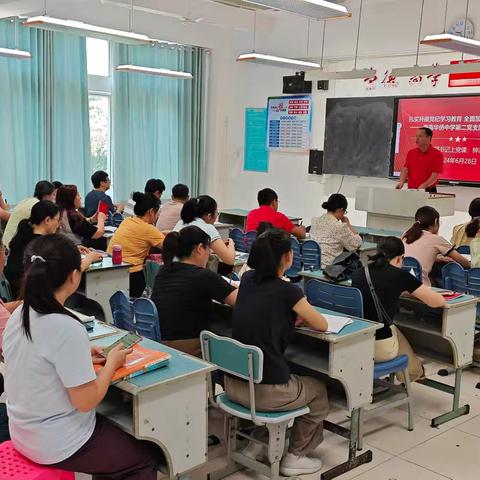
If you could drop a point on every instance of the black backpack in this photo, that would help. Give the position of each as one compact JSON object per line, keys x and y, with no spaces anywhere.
{"x":343,"y":267}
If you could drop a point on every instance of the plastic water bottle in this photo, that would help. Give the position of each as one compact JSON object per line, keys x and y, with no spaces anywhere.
{"x":117,"y":255}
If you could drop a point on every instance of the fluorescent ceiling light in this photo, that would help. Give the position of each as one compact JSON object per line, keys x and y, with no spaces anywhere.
{"x":346,"y":75}
{"x":154,"y":71}
{"x":319,"y":9}
{"x":276,"y":61}
{"x":453,"y":42}
{"x":437,"y":69}
{"x":14,"y":53}
{"x":72,"y":26}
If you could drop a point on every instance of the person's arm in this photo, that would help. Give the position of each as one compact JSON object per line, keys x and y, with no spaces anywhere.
{"x":429,"y":297}
{"x":225,"y":252}
{"x":299,"y":232}
{"x":459,"y":258}
{"x":231,"y":298}
{"x":4,"y":215}
{"x":431,"y":181}
{"x":100,"y":226}
{"x":90,"y":258}
{"x":310,"y":316}
{"x":403,"y":178}
{"x":349,"y":239}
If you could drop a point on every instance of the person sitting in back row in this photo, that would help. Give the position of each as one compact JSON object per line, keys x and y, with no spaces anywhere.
{"x":464,"y":233}
{"x":390,"y":281}
{"x":170,"y":213}
{"x":155,"y":186}
{"x":184,"y":289}
{"x":268,"y":212}
{"x":137,"y":235}
{"x":101,"y":183}
{"x":333,"y":231}
{"x":203,"y":213}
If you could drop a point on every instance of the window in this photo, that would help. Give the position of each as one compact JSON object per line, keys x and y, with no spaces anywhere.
{"x":98,"y":57}
{"x":99,"y":110}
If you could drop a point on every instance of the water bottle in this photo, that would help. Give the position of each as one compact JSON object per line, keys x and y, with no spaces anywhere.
{"x":117,"y":255}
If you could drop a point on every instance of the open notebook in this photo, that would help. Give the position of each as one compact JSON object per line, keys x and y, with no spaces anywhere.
{"x":335,"y":324}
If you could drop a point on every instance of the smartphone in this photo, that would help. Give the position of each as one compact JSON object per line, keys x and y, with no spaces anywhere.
{"x":128,"y":340}
{"x":103,"y":207}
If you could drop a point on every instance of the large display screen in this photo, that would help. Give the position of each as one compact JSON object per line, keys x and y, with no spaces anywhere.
{"x":455,"y":122}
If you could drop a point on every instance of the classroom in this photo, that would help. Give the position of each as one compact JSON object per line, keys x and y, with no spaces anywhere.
{"x":239,"y":239}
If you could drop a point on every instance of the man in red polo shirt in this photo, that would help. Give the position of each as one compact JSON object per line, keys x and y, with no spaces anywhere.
{"x":423,"y":164}
{"x":267,"y":212}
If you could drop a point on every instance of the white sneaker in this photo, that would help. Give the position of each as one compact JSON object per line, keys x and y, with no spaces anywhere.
{"x":292,"y":465}
{"x":255,"y":451}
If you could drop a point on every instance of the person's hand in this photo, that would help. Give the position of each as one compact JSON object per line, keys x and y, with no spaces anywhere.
{"x":83,"y":250}
{"x":442,"y":259}
{"x":346,"y":220}
{"x":299,"y":321}
{"x":100,"y":216}
{"x":92,"y":257}
{"x":399,"y":185}
{"x":97,"y":355}
{"x":120,"y":207}
{"x":117,"y":356}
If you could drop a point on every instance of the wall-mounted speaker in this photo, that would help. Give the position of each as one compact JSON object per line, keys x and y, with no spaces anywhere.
{"x":315,"y":162}
{"x":322,"y":84}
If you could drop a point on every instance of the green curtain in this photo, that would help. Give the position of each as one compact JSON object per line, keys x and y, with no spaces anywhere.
{"x":44,"y":130}
{"x":157,"y":129}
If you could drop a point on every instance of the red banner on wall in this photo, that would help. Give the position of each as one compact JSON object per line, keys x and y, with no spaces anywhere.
{"x":471,"y":79}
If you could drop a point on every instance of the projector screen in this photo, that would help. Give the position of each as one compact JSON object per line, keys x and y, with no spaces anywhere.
{"x":455,"y":122}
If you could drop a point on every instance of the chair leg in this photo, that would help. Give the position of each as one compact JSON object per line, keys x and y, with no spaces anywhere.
{"x":276,"y":444}
{"x":391,"y":378}
{"x":410,"y":400}
{"x":360,"y":429}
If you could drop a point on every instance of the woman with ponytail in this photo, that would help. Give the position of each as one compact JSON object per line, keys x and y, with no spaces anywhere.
{"x":464,"y":233}
{"x":203,"y":213}
{"x":265,"y":315}
{"x":389,"y":282}
{"x":423,"y":242}
{"x":184,"y":289}
{"x":50,"y":381}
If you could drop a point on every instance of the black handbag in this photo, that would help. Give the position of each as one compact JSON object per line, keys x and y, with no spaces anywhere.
{"x":343,"y":266}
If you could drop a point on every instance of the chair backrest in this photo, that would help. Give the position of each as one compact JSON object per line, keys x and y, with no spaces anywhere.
{"x":232,"y":356}
{"x":150,"y":270}
{"x":122,"y":311}
{"x":117,"y":219}
{"x":250,"y":237}
{"x":473,"y":281}
{"x":464,"y":249}
{"x":411,"y":263}
{"x":311,"y":254}
{"x":109,"y":220}
{"x":454,"y":277}
{"x":239,"y":238}
{"x":334,"y":297}
{"x":5,"y":290}
{"x":146,"y":319}
{"x":296,"y":267}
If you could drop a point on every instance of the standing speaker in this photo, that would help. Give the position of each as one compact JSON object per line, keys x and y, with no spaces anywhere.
{"x":315,"y":162}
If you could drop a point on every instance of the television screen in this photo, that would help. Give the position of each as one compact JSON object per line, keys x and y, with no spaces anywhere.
{"x":455,"y":122}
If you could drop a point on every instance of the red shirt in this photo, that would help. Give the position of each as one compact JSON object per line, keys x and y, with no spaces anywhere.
{"x":421,"y":165}
{"x":268,"y":214}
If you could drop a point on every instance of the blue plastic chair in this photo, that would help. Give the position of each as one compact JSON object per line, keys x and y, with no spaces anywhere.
{"x":117,"y":219}
{"x":411,"y":263}
{"x":454,"y":277}
{"x":109,"y":220}
{"x":150,"y":270}
{"x":296,"y":267}
{"x":311,"y":255}
{"x":339,"y":298}
{"x":5,"y":290}
{"x":246,"y":362}
{"x":250,"y":237}
{"x":239,"y":238}
{"x":122,"y":311}
{"x":473,"y":288}
{"x":464,"y":249}
{"x":146,"y":319}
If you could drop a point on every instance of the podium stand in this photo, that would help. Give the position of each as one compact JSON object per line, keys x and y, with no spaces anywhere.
{"x":395,"y":209}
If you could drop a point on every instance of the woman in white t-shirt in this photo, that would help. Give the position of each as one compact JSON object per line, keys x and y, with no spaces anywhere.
{"x":51,"y":385}
{"x":203,"y":212}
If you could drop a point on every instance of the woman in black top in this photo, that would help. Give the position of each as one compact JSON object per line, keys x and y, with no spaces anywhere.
{"x":184,"y":289}
{"x":389,"y":282}
{"x":265,"y":315}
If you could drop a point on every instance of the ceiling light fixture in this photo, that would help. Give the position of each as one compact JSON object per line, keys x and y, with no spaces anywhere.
{"x":453,"y":42}
{"x":436,"y":69}
{"x":154,"y":71}
{"x":15,"y":53}
{"x":265,"y":59}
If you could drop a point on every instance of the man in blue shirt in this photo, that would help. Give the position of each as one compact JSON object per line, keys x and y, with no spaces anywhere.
{"x":101,"y":183}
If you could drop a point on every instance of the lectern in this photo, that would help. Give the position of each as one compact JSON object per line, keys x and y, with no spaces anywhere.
{"x":395,"y":209}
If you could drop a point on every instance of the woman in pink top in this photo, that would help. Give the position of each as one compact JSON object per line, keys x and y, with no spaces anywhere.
{"x":423,"y":243}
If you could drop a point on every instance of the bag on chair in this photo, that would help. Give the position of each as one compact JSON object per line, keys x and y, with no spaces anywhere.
{"x":343,"y":267}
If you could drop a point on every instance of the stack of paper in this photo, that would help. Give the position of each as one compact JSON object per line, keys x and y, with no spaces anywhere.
{"x":335,"y":324}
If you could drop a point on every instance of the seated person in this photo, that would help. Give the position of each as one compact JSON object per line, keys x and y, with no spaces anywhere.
{"x":184,"y":289}
{"x":43,"y":191}
{"x":390,"y":281}
{"x":4,"y":209}
{"x":268,"y":212}
{"x":74,"y":224}
{"x":101,"y":183}
{"x":464,"y":233}
{"x":154,"y":186}
{"x":265,"y":314}
{"x":423,"y":242}
{"x":45,"y":345}
{"x":170,"y":213}
{"x":203,"y":212}
{"x":137,"y":235}
{"x":333,"y":231}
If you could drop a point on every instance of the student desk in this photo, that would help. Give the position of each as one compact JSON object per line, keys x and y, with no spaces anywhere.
{"x":366,"y":249}
{"x":103,"y":279}
{"x":374,"y":235}
{"x":167,"y":406}
{"x":445,"y":335}
{"x":238,"y":217}
{"x":223,"y":229}
{"x":319,"y":275}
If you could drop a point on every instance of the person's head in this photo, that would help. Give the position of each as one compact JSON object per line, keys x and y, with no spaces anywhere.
{"x":336,"y":205}
{"x":100,"y":180}
{"x":68,"y":198}
{"x":271,"y":255}
{"x":389,"y":250}
{"x":52,"y":274}
{"x":423,"y":137}
{"x":57,"y":185}
{"x":191,"y":244}
{"x":155,"y":186}
{"x":204,"y":207}
{"x":180,"y":192}
{"x":45,"y":190}
{"x":263,"y":227}
{"x":474,"y":211}
{"x":268,"y":197}
{"x":426,"y":218}
{"x":146,"y":206}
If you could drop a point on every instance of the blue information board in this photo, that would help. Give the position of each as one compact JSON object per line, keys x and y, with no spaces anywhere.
{"x":256,"y":152}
